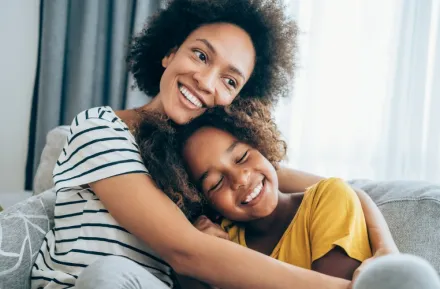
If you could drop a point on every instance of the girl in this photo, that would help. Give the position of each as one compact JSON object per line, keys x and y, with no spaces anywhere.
{"x":232,"y":160}
{"x":322,"y":229}
{"x":113,"y":224}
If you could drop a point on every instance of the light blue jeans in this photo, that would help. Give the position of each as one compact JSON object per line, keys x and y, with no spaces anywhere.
{"x":390,"y":272}
{"x":400,"y":271}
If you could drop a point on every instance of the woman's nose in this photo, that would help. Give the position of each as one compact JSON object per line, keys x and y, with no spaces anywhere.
{"x":206,"y":80}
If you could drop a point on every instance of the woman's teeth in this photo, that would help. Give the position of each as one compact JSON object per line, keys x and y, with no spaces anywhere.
{"x":254,"y":193}
{"x":188,"y":95}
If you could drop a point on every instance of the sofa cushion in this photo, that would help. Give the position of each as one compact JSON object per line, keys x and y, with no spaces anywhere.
{"x":55,"y":141}
{"x":22,"y":230}
{"x":412,"y":211}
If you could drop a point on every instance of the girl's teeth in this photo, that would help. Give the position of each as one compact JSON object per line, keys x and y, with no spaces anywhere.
{"x":254,"y":194}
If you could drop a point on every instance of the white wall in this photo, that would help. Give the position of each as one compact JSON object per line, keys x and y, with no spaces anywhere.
{"x":19,"y":28}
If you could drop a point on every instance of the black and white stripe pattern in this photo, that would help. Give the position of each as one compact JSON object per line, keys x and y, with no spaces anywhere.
{"x":99,"y":146}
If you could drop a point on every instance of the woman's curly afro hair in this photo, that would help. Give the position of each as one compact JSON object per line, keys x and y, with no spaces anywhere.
{"x":161,"y":143}
{"x":272,"y":32}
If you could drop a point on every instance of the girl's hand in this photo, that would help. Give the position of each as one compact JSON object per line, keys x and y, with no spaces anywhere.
{"x":361,"y":268}
{"x":206,"y":226}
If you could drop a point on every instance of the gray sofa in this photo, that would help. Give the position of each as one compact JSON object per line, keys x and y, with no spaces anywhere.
{"x":412,"y":210}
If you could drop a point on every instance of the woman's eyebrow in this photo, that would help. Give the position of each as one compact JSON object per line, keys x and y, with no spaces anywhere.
{"x":208,"y":44}
{"x":213,"y":51}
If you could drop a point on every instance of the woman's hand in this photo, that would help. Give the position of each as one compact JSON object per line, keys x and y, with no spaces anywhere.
{"x":361,"y":268}
{"x":205,"y":225}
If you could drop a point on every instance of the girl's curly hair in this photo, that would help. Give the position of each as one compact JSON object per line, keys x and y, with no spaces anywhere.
{"x":161,"y":144}
{"x":272,"y":32}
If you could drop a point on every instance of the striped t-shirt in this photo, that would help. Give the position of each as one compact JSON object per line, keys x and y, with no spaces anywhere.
{"x":99,"y":146}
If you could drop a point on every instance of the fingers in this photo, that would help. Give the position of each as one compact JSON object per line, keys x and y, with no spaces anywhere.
{"x":202,"y":222}
{"x":217,"y":232}
{"x":205,"y":225}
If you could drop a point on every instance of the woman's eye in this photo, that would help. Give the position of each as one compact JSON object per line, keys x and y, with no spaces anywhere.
{"x":200,"y":55}
{"x":243,"y":158}
{"x":230,"y":82}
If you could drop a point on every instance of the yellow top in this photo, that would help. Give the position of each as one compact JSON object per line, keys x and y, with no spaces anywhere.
{"x":330,"y":215}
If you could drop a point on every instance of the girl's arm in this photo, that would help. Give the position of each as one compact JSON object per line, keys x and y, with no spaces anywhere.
{"x":139,"y":206}
{"x":344,"y":268}
{"x":292,"y":181}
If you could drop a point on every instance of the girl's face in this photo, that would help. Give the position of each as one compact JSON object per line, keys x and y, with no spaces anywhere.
{"x":208,"y":69}
{"x":238,"y":181}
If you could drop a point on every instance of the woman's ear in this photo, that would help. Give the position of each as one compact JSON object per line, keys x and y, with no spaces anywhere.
{"x":169,"y":57}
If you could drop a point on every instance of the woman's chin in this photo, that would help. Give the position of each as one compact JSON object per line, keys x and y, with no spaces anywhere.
{"x":182,"y":116}
{"x":178,"y":116}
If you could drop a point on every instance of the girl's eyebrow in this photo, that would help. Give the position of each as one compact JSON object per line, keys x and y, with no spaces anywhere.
{"x":232,"y":146}
{"x":203,"y":177}
{"x":228,"y":150}
{"x":212,"y":49}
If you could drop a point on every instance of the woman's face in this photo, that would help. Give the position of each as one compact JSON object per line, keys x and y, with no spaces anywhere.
{"x":239,"y":182}
{"x":208,"y":69}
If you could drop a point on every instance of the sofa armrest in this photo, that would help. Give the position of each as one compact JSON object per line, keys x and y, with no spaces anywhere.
{"x":55,"y":141}
{"x":412,"y":211}
{"x":22,"y":230}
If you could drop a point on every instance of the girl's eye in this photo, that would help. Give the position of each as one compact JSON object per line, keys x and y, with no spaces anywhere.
{"x":200,"y":55}
{"x":243,"y":158}
{"x":230,"y":82}
{"x":217,"y":185}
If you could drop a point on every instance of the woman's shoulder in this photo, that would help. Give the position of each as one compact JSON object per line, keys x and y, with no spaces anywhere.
{"x":98,"y":121}
{"x":99,"y":146}
{"x":97,"y":115}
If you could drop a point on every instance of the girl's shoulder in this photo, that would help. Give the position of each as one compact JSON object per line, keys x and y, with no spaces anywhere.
{"x":329,"y":190}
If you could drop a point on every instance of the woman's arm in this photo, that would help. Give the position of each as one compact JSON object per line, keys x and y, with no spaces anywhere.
{"x":139,"y":206}
{"x":294,"y":181}
{"x":291,"y":181}
{"x":379,"y":233}
{"x":190,"y":283}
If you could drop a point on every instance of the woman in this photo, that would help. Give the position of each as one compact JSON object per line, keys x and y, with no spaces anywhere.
{"x":193,"y":55}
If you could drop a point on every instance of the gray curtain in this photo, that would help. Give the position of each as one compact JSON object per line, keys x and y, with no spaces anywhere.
{"x":83,"y":45}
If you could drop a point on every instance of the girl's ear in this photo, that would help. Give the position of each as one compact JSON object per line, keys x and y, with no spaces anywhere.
{"x":218,"y":219}
{"x":213,"y":215}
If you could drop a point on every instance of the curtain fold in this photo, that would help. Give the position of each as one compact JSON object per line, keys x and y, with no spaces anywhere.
{"x":83,"y":45}
{"x":413,"y":123}
{"x":366,"y":98}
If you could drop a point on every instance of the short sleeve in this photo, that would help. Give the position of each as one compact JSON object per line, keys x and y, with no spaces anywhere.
{"x":99,"y":146}
{"x":337,"y":219}
{"x":235,"y":233}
